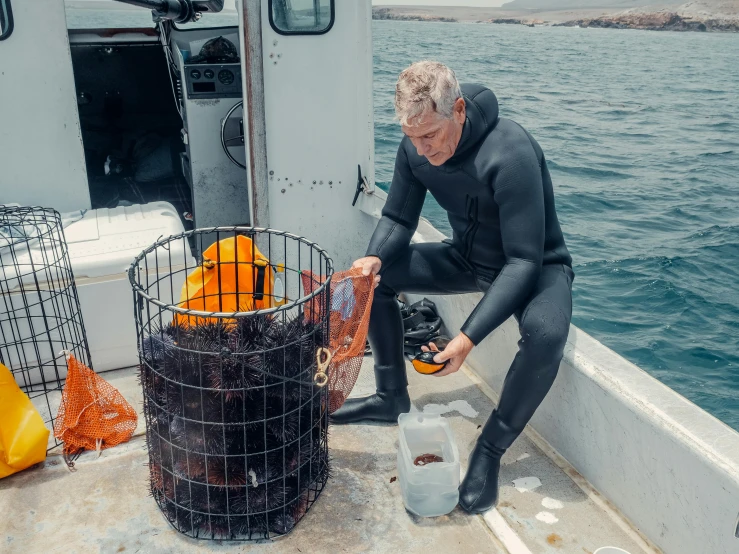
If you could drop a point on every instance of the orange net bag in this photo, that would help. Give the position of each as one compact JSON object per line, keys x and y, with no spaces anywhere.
{"x":351,"y":303}
{"x":93,"y":415}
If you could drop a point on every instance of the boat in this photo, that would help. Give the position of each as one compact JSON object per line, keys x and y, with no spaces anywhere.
{"x":132,"y":136}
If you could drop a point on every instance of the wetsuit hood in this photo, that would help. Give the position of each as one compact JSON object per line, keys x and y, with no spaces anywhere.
{"x":482,"y":117}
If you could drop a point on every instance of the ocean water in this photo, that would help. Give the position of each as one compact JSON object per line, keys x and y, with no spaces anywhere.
{"x":641,"y":133}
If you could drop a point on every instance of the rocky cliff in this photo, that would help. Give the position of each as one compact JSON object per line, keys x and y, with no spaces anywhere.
{"x":698,"y":15}
{"x":661,"y":20}
{"x":391,"y":14}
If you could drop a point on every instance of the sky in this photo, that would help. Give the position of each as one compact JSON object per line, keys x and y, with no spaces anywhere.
{"x":228,"y":4}
{"x":473,"y":3}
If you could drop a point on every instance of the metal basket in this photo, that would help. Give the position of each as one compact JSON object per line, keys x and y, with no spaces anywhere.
{"x":235,"y":407}
{"x":40,"y":314}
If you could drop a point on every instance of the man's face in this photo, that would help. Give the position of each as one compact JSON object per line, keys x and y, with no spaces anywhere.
{"x":437,"y":137}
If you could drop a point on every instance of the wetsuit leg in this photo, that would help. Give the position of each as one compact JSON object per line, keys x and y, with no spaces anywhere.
{"x":429,"y":268}
{"x":544,"y":323}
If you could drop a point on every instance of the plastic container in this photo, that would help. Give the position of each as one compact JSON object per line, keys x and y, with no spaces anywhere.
{"x":430,"y":490}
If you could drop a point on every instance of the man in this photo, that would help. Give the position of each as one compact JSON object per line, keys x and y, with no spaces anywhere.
{"x":491,"y":177}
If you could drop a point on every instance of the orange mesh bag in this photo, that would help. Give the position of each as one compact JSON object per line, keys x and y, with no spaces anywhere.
{"x":93,"y":415}
{"x":351,"y":303}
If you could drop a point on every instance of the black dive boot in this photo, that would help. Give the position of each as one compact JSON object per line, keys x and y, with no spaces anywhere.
{"x":384,"y":406}
{"x":479,"y":490}
{"x":386,"y":340}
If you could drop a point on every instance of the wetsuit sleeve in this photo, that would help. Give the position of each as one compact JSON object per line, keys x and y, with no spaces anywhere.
{"x":401,"y":212}
{"x":519,"y":194}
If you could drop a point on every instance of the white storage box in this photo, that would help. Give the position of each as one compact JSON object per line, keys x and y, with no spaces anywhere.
{"x":102,"y":246}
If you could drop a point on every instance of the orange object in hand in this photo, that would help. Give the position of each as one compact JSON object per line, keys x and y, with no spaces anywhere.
{"x":424,"y":363}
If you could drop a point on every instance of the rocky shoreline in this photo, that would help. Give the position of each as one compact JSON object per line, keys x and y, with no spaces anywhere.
{"x":661,"y":20}
{"x":390,"y":15}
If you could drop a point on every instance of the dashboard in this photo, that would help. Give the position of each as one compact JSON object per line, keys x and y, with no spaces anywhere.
{"x":213,"y":80}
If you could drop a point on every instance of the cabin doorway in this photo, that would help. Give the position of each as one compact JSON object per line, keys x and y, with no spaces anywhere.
{"x":160,"y":111}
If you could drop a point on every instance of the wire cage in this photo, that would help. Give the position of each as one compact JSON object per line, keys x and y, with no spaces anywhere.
{"x":233,"y":369}
{"x":40,"y":316}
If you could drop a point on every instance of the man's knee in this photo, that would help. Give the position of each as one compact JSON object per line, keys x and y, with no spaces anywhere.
{"x":390,"y":278}
{"x":544,"y":329}
{"x":385,"y":290}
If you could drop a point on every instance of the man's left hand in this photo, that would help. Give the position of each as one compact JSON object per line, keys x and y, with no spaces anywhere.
{"x":456,"y":352}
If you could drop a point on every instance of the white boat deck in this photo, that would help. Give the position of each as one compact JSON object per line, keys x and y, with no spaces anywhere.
{"x":545,"y":506}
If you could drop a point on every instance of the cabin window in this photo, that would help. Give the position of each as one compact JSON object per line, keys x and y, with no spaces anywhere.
{"x":6,"y":19}
{"x":301,"y":17}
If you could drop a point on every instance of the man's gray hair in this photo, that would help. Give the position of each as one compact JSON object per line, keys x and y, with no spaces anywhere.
{"x":426,"y":86}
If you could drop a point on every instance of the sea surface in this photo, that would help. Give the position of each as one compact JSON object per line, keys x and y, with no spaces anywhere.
{"x":641,"y":133}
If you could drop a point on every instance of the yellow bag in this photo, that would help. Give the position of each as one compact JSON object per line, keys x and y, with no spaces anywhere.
{"x":23,"y":435}
{"x":212,"y":287}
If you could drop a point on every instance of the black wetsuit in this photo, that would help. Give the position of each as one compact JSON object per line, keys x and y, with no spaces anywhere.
{"x":498,"y":196}
{"x":506,"y":242}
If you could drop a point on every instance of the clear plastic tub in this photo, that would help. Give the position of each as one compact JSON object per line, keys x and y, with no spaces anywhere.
{"x":430,"y":490}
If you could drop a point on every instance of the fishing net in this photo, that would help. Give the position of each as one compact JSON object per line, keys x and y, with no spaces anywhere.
{"x":93,"y":415}
{"x":351,"y":303}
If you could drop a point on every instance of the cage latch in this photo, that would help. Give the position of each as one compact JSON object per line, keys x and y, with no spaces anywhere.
{"x":323,"y":359}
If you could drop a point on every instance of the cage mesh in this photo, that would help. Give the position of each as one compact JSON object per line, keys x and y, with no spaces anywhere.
{"x":40,"y":314}
{"x":236,"y":420}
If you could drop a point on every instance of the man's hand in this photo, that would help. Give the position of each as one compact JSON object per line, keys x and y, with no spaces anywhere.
{"x":456,"y":352}
{"x":370,"y":266}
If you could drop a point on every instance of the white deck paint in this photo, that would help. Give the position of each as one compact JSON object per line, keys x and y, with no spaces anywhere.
{"x":552,"y":504}
{"x":461,"y":406}
{"x":547,"y":517}
{"x":500,"y":528}
{"x":526,"y":484}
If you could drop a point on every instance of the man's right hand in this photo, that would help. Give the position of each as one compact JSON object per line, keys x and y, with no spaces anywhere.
{"x":370,"y":266}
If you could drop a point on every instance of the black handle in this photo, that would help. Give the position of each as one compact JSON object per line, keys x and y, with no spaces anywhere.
{"x":150,"y":4}
{"x":6,"y":19}
{"x":360,"y":185}
{"x":180,"y":11}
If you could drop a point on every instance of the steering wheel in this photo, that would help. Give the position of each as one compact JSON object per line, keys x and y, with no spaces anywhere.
{"x":232,"y":133}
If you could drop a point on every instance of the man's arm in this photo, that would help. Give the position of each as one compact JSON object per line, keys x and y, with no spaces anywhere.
{"x":400,"y":214}
{"x":519,"y":194}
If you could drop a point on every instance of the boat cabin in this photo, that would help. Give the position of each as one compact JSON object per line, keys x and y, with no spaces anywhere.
{"x":138,"y":119}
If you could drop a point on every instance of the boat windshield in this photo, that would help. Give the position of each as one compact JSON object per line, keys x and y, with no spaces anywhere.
{"x":108,"y":14}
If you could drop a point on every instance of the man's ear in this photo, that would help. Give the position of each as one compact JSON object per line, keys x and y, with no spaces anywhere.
{"x":460,"y":111}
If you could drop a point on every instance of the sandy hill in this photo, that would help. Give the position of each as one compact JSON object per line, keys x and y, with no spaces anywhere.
{"x":715,"y":8}
{"x":580,"y":4}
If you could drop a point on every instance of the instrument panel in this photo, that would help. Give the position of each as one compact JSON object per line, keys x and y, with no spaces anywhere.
{"x":213,"y":80}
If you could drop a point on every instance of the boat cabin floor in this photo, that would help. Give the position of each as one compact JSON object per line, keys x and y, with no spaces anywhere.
{"x":545,"y":506}
{"x":130,"y":125}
